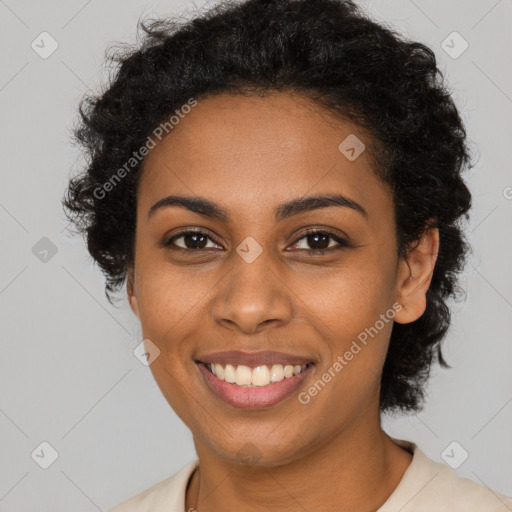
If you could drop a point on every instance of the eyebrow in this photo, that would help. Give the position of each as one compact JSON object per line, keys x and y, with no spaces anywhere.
{"x":208,"y":208}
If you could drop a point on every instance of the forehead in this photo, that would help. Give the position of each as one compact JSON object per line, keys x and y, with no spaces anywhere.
{"x":259,"y":150}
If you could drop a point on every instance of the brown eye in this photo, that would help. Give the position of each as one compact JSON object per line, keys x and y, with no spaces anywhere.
{"x":317,"y":241}
{"x":192,"y":240}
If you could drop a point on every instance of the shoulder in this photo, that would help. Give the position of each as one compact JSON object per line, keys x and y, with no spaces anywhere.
{"x":166,"y":495}
{"x":429,"y":485}
{"x":457,"y":493}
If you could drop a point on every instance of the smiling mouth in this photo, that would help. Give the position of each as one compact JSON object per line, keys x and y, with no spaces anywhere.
{"x":254,"y":387}
{"x":254,"y":376}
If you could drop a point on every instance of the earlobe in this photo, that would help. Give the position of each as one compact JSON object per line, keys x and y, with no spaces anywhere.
{"x":130,"y":292}
{"x":415,"y":275}
{"x":133,"y":305}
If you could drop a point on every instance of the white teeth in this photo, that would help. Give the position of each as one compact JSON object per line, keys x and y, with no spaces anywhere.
{"x":219,"y":371}
{"x":229,"y":374}
{"x":276,"y":373}
{"x":259,"y":376}
{"x":243,"y":375}
{"x":288,"y":371}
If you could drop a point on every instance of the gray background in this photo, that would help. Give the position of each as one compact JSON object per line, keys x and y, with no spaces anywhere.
{"x":68,"y":373}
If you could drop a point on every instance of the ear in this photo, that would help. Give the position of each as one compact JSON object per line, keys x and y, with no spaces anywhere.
{"x":414,"y":276}
{"x":130,"y":291}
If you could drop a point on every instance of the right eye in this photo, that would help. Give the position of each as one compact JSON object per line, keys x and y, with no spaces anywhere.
{"x":193,"y":240}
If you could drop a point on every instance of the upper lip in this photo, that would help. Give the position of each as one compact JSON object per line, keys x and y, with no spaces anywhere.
{"x":263,"y":357}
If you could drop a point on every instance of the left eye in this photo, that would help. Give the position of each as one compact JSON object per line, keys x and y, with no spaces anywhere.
{"x":320,"y":240}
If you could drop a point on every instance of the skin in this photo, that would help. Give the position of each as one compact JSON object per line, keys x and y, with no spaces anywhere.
{"x":250,"y":154}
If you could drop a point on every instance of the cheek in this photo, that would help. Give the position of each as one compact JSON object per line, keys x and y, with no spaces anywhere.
{"x":166,"y":293}
{"x":351,"y":297}
{"x":355,"y":349}
{"x":355,"y":303}
{"x":168,"y":315}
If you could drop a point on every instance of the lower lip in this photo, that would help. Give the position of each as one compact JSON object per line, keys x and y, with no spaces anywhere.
{"x":253,"y":398}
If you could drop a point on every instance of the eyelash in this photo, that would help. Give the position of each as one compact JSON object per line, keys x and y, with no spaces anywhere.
{"x":342,"y":243}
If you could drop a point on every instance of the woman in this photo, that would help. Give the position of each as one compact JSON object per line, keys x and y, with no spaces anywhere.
{"x":279,"y":185}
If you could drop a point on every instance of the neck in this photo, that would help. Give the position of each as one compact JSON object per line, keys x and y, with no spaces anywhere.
{"x":356,"y":470}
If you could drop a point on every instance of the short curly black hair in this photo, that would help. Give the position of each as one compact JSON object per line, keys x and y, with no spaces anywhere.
{"x":336,"y":55}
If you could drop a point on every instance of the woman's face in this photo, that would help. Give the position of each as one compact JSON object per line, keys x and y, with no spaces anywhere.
{"x":252,"y":281}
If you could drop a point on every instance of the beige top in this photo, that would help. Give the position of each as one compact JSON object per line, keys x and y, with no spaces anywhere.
{"x":426,"y":486}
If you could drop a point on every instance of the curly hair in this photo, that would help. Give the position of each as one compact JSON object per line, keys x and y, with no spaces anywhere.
{"x":334,"y":54}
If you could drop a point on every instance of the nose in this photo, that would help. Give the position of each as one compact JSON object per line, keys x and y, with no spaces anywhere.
{"x":252,"y":297}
